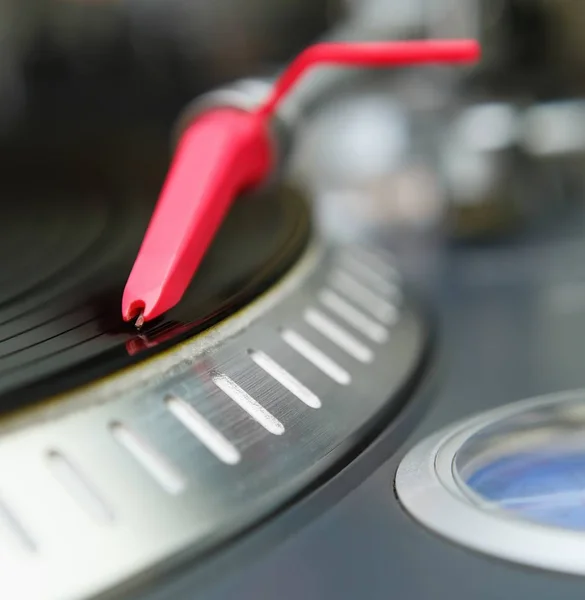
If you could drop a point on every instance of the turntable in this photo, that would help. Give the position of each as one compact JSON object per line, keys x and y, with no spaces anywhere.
{"x":136,"y":449}
{"x":248,"y":442}
{"x":131,"y":451}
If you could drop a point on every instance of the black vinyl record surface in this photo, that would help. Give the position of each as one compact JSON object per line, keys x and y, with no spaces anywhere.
{"x":72,"y":223}
{"x":89,"y":94}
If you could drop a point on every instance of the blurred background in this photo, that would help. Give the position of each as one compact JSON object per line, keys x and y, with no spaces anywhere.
{"x":470,"y":154}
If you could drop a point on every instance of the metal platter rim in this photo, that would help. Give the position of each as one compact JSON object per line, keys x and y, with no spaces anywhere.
{"x":60,"y":405}
{"x":346,"y":475}
{"x":429,"y":491}
{"x":138,"y":481}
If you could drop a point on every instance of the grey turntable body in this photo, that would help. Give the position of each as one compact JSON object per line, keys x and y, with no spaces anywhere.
{"x":507,"y":334}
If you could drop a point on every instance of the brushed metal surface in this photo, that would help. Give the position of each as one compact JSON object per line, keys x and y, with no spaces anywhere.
{"x":99,"y":486}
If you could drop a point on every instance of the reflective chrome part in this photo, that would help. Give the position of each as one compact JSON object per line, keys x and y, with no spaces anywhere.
{"x":293,"y":385}
{"x":11,"y":527}
{"x":249,"y":404}
{"x":554,"y":129}
{"x":316,"y":357}
{"x":381,"y":263}
{"x":353,"y":316}
{"x":369,"y":276}
{"x":331,"y":330}
{"x":78,"y":486}
{"x":509,"y":483}
{"x":174,"y":456}
{"x":163,"y":472}
{"x":210,"y":437}
{"x":381,"y":308}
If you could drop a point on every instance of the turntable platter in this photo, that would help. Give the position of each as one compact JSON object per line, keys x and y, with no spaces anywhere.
{"x":68,"y":240}
{"x":213,"y":435}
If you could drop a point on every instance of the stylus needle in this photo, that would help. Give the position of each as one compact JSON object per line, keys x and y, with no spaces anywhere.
{"x":226,"y":151}
{"x":139,"y":320}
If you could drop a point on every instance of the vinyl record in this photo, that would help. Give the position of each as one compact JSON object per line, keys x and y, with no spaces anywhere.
{"x":68,"y":238}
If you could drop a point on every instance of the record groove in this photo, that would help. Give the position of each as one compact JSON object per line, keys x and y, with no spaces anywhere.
{"x":67,"y":248}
